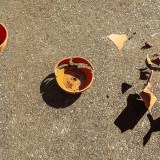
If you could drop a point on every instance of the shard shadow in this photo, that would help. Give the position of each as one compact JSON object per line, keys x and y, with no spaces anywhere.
{"x":131,"y":115}
{"x":154,"y":127}
{"x":146,"y":46}
{"x":144,"y":75}
{"x":53,"y":95}
{"x":125,"y":87}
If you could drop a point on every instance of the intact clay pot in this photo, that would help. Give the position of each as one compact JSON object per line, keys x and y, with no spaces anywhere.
{"x":74,"y":75}
{"x":3,"y":37}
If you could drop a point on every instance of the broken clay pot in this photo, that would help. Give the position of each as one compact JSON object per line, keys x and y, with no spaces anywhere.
{"x":74,"y":75}
{"x":3,"y":37}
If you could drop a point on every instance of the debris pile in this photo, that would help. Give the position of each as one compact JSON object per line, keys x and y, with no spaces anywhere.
{"x":153,"y":64}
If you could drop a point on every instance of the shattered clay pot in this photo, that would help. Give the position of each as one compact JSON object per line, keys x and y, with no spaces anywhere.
{"x":3,"y":37}
{"x":74,"y":75}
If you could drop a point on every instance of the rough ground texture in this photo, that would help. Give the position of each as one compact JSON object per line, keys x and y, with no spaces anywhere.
{"x":39,"y":121}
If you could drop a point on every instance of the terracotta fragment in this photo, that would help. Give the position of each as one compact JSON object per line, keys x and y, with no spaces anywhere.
{"x":148,"y":97}
{"x":154,"y":60}
{"x":118,"y":40}
{"x":148,"y":60}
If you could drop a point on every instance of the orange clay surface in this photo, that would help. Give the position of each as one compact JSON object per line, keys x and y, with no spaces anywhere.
{"x":118,"y":40}
{"x":72,"y":74}
{"x":71,"y":78}
{"x":148,"y":98}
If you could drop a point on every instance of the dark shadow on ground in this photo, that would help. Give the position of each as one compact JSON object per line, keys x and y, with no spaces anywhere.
{"x":154,"y":127}
{"x":125,"y":87}
{"x":133,"y":112}
{"x":53,"y":95}
{"x":144,"y":74}
{"x":146,"y":46}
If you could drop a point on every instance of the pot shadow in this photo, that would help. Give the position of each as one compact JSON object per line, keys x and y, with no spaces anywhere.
{"x":154,"y":127}
{"x":53,"y":95}
{"x":131,"y":115}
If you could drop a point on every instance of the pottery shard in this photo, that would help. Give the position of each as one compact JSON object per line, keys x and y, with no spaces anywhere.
{"x":148,"y":60}
{"x":155,"y":60}
{"x":148,"y":97}
{"x":118,"y":40}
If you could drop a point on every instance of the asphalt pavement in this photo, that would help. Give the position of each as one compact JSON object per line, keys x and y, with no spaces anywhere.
{"x":38,"y":121}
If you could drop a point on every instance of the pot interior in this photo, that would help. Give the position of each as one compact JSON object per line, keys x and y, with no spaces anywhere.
{"x":3,"y":34}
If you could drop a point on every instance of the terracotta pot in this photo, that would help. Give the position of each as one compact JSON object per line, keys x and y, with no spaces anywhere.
{"x":3,"y":37}
{"x":74,"y":75}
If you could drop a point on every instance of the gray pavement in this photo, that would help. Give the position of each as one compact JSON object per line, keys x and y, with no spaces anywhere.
{"x":39,"y":121}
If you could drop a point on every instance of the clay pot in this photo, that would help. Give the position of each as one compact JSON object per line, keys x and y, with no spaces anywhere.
{"x":3,"y":37}
{"x":74,"y":75}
